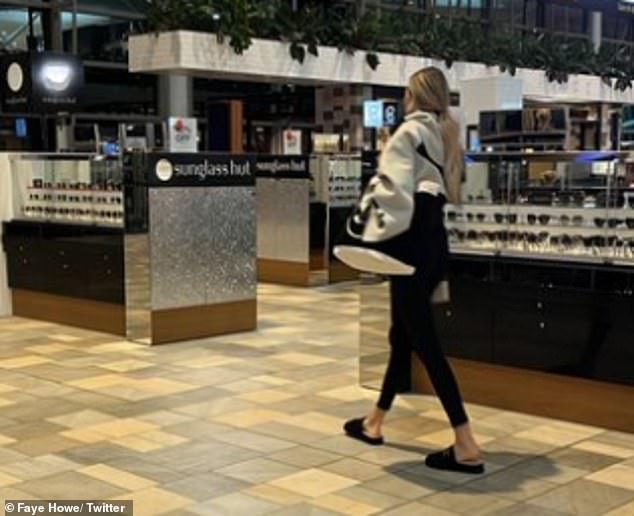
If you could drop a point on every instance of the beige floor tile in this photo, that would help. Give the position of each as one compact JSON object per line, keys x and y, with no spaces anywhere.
{"x":117,"y":477}
{"x":302,"y":359}
{"x":418,"y":509}
{"x":316,"y":422}
{"x":343,"y":505}
{"x":314,"y":483}
{"x":249,"y":418}
{"x":163,"y":418}
{"x":443,"y":438}
{"x":604,"y":449}
{"x":8,"y":480}
{"x":99,"y":382}
{"x":617,"y":476}
{"x":235,"y":504}
{"x":354,"y":468}
{"x":84,"y":435}
{"x":584,"y":498}
{"x":205,"y":362}
{"x":4,"y":440}
{"x":558,"y":435}
{"x":22,"y":362}
{"x":4,"y":402}
{"x":624,"y":510}
{"x":272,"y":380}
{"x":275,"y":495}
{"x":6,"y":388}
{"x":258,"y":471}
{"x":48,"y":349}
{"x":267,"y":396}
{"x":124,"y":366}
{"x":136,"y":443}
{"x":80,"y":419}
{"x":465,"y":501}
{"x":163,"y":438}
{"x":154,"y":500}
{"x":348,"y":393}
{"x":121,"y":428}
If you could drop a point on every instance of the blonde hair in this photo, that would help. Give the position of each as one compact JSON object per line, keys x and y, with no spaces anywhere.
{"x":428,"y":90}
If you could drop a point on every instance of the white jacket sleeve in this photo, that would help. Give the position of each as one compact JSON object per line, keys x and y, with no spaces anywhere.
{"x":391,"y":190}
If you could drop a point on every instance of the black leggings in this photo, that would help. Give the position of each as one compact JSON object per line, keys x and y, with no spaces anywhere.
{"x":413,"y":327}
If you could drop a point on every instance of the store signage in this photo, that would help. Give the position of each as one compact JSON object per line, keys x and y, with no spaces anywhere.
{"x":183,"y":134}
{"x":292,"y":141}
{"x":201,"y":169}
{"x":282,"y":166}
{"x":41,"y":82}
{"x":380,"y":113}
{"x":609,"y":6}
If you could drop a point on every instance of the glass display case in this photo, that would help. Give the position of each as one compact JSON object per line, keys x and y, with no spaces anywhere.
{"x":66,"y":190}
{"x":567,"y":206}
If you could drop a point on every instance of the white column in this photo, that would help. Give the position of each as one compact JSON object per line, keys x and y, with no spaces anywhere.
{"x":596,"y":29}
{"x":176,"y":95}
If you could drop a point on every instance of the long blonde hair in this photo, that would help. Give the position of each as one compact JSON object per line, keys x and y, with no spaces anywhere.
{"x":428,"y":90}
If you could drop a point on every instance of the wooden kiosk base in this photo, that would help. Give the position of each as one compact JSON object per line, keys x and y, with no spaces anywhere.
{"x":70,"y":311}
{"x":583,"y":401}
{"x":296,"y":274}
{"x":166,"y":325}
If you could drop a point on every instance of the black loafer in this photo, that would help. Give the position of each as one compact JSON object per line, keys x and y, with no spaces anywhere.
{"x":355,"y":429}
{"x":446,"y":460}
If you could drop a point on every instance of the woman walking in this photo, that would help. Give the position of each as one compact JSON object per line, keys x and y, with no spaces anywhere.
{"x":423,"y":157}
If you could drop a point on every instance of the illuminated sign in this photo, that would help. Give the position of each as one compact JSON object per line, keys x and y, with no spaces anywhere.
{"x":41,"y":82}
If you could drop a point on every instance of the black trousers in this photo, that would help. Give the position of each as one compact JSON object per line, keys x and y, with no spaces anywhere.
{"x":413,"y":328}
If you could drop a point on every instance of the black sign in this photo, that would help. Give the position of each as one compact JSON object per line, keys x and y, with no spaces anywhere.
{"x":41,"y":82}
{"x":282,"y":166}
{"x":200,"y":169}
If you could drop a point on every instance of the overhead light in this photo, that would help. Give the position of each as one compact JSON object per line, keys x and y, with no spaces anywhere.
{"x":56,"y":76}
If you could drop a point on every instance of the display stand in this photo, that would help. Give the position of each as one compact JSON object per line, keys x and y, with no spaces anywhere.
{"x":161,"y":250}
{"x":542,"y":290}
{"x":283,"y":191}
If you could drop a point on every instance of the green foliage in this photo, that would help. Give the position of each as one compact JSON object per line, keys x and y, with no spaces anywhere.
{"x":448,"y":39}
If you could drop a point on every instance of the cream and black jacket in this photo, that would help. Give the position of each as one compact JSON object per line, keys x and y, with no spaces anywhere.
{"x":411,"y":162}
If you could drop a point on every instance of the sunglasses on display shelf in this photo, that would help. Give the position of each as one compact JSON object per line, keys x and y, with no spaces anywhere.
{"x":629,"y":222}
{"x":612,"y":222}
{"x":564,"y":220}
{"x":511,"y":218}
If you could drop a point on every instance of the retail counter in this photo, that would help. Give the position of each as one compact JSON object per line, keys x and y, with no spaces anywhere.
{"x":161,"y":248}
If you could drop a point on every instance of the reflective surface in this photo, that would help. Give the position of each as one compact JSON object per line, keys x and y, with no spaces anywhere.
{"x":283,"y":219}
{"x":203,"y":246}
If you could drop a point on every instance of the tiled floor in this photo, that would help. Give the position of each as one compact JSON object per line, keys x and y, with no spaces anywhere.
{"x":251,"y":424}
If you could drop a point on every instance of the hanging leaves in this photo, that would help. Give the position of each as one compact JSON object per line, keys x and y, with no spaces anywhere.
{"x":339,"y":24}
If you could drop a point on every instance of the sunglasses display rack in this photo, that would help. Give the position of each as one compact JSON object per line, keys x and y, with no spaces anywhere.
{"x":100,"y":204}
{"x":577,"y":220}
{"x":344,"y":181}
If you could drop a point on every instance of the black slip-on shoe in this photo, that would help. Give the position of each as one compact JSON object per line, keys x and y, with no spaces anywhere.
{"x":355,"y":429}
{"x":446,"y":460}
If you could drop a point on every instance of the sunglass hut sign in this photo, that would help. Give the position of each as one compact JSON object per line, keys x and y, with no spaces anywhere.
{"x":225,"y":170}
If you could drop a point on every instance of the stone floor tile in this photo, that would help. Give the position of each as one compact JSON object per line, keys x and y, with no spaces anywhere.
{"x":234,"y":504}
{"x":313,"y":483}
{"x":466,"y":501}
{"x":68,"y":485}
{"x":154,"y":500}
{"x":205,"y":486}
{"x":584,"y":498}
{"x":257,"y":471}
{"x":617,"y":476}
{"x":343,"y":505}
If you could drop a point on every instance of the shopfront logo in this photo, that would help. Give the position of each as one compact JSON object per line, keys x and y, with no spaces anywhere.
{"x":56,"y":76}
{"x":182,"y":131}
{"x":164,"y":170}
{"x":15,"y":77}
